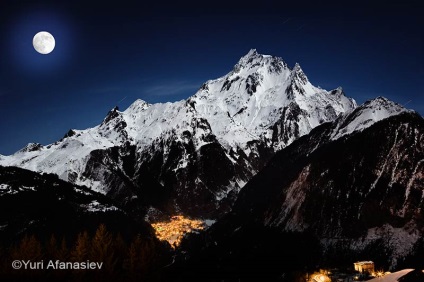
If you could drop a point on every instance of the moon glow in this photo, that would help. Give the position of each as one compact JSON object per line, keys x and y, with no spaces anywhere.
{"x":43,"y":42}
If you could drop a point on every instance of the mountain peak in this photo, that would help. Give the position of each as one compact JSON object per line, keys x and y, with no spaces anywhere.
{"x":365,"y":115}
{"x":252,"y":53}
{"x":298,"y":77}
{"x":297,"y":67}
{"x":297,"y":70}
{"x":111,"y":115}
{"x":254,"y":61}
{"x":140,"y":101}
{"x":249,"y":57}
{"x":138,"y":106}
{"x":382,"y":104}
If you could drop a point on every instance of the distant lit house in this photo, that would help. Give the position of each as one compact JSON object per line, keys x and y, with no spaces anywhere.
{"x":364,"y":266}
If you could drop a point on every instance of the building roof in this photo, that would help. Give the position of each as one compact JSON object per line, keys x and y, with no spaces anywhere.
{"x":364,"y":262}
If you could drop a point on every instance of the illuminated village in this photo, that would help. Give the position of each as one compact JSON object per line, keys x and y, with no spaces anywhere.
{"x":363,"y":271}
{"x":175,"y":229}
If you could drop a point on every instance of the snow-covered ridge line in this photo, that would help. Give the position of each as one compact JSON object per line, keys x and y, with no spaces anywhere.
{"x":365,"y":115}
{"x":261,"y":99}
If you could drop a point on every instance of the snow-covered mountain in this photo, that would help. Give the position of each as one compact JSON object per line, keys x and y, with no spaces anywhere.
{"x":203,"y":149}
{"x":356,"y":184}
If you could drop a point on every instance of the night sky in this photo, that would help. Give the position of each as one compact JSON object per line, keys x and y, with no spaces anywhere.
{"x":112,"y":54}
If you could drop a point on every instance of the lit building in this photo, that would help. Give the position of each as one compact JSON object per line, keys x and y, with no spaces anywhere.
{"x":364,"y":266}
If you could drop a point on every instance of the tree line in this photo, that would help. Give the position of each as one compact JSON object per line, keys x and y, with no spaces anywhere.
{"x":137,"y":259}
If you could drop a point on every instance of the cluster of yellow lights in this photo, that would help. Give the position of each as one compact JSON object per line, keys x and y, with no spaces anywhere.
{"x":174,"y":230}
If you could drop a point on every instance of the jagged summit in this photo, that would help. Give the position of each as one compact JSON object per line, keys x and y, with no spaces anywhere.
{"x":253,"y":60}
{"x":111,"y":114}
{"x":299,"y":81}
{"x":251,"y":54}
{"x":298,"y":72}
{"x":297,"y":68}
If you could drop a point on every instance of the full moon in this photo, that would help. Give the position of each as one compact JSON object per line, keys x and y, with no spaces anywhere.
{"x":43,"y":42}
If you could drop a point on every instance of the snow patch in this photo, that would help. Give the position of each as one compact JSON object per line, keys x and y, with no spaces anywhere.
{"x":7,"y":189}
{"x":209,"y":222}
{"x":95,"y":206}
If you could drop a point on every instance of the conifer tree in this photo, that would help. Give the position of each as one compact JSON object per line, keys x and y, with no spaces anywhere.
{"x":80,"y":253}
{"x":121,"y":250}
{"x":82,"y":247}
{"x":135,"y":253}
{"x":102,"y":250}
{"x":28,"y":249}
{"x":134,"y":258}
{"x":51,"y":248}
{"x":55,"y":252}
{"x":148,"y":254}
{"x":101,"y":246}
{"x":120,"y":246}
{"x":63,"y":252}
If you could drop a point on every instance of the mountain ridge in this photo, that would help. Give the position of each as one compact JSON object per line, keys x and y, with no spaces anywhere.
{"x":230,"y":127}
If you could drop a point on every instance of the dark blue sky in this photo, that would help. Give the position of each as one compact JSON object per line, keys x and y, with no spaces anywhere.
{"x":112,"y":54}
